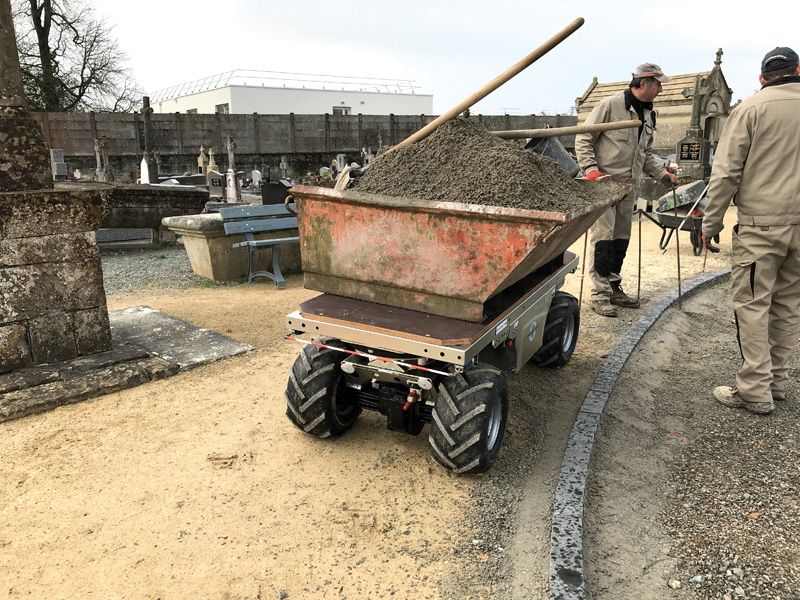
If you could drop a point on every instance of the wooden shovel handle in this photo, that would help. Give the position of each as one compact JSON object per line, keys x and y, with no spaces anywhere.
{"x":518,"y":134}
{"x":493,"y":84}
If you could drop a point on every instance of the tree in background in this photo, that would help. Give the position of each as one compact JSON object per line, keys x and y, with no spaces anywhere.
{"x":69,"y":59}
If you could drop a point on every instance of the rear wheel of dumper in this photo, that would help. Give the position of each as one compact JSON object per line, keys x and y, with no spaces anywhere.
{"x":560,"y":332}
{"x":315,"y":395}
{"x":469,"y":420}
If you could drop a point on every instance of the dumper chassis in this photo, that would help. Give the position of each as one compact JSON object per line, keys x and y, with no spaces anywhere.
{"x":418,"y":369}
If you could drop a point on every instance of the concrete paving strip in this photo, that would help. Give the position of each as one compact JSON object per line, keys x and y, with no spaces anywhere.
{"x":171,"y":338}
{"x":567,"y":572}
{"x":147,"y":345}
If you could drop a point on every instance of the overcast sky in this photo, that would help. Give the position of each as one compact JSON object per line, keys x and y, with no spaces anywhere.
{"x":451,"y":49}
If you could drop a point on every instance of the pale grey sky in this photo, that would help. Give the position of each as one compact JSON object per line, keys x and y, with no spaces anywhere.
{"x":451,"y":49}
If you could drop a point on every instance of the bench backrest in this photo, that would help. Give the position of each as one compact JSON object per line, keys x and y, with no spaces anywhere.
{"x":255,"y":219}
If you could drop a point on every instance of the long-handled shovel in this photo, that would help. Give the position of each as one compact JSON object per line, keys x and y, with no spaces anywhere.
{"x":344,"y":176}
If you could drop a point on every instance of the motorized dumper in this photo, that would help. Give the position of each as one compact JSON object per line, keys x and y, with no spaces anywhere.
{"x":425,"y":308}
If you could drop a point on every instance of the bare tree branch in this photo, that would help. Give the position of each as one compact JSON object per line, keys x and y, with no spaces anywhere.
{"x":70,"y":60}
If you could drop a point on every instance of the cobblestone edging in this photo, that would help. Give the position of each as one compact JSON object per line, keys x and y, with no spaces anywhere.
{"x":567,"y":574}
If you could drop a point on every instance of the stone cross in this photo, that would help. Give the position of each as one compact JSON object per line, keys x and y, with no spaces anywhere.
{"x":108,"y":174}
{"x":233,"y":190}
{"x":147,"y":113}
{"x":202,"y":161}
{"x":98,"y":172}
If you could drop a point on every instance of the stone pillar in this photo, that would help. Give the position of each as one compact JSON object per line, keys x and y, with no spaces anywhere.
{"x":24,"y":157}
{"x":152,"y":167}
{"x":233,"y":192}
{"x":52,"y":301}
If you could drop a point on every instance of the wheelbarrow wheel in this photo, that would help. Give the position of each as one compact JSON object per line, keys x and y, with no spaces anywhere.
{"x":469,"y":420}
{"x":316,"y":393}
{"x":560,"y":332}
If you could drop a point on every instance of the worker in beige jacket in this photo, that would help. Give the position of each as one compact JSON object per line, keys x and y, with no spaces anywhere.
{"x":757,"y":166}
{"x":622,"y":155}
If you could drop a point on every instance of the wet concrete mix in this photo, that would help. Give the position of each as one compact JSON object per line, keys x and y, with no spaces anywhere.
{"x":461,"y":161}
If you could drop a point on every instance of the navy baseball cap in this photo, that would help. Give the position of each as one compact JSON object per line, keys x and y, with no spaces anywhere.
{"x":780,"y":58}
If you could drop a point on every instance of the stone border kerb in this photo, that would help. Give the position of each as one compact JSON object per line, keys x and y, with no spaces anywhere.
{"x":567,"y":570}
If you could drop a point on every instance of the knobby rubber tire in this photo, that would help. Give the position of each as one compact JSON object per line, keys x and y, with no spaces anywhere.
{"x":315,"y":393}
{"x":560,"y":332}
{"x":469,"y":420}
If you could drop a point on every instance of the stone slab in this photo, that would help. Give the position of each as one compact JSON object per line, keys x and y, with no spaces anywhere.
{"x":51,"y":395}
{"x":27,"y":291}
{"x":27,"y":378}
{"x":63,"y":247}
{"x":92,"y":330}
{"x":15,"y":353}
{"x":48,"y":212}
{"x":23,"y":152}
{"x":52,"y":337}
{"x":148,"y":346}
{"x":171,"y":338}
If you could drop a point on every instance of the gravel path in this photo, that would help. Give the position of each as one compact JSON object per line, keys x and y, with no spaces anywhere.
{"x":687,"y":494}
{"x":165,"y":267}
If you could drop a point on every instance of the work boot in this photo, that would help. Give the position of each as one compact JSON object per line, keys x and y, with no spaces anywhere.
{"x":622,"y":299}
{"x":730,"y":397}
{"x":604,"y":308}
{"x":779,"y":396}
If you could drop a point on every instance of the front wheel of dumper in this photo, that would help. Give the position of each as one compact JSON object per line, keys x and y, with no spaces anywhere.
{"x":469,"y":420}
{"x":560,"y":332}
{"x":316,"y":393}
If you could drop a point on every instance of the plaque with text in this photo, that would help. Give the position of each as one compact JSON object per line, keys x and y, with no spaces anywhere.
{"x":690,"y":151}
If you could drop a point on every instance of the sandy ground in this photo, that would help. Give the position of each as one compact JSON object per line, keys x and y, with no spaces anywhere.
{"x":199,"y":487}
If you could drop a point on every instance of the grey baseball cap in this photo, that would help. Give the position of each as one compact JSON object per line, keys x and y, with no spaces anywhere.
{"x":651,"y":70}
{"x":780,"y":58}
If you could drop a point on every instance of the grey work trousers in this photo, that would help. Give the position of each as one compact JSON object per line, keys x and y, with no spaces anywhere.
{"x":765,"y":285}
{"x":613,"y":224}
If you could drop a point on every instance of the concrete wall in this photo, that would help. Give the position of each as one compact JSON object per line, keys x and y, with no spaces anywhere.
{"x":307,"y":141}
{"x":243,"y":99}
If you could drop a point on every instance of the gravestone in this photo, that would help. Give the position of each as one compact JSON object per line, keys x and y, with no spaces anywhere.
{"x":58,"y":165}
{"x":216,"y":184}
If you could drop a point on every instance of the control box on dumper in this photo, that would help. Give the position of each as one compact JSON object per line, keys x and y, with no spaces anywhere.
{"x":390,"y":339}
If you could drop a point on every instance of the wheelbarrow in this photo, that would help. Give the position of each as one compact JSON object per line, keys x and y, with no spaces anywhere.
{"x":683,"y":209}
{"x":669,"y":222}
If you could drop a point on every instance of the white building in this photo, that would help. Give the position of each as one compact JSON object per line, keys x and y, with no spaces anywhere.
{"x":274,"y":93}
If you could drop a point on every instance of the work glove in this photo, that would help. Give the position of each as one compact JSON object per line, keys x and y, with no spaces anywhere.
{"x":593,"y":175}
{"x":669,"y":179}
{"x":707,"y":242}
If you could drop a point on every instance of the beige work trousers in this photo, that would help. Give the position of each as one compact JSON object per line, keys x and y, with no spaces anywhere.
{"x":765,"y":285}
{"x":613,"y":224}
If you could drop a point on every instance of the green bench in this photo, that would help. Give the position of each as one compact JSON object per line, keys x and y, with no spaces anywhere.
{"x":250,"y":220}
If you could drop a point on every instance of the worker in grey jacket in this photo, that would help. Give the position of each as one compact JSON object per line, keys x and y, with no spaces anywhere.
{"x":622,"y":155}
{"x":756,"y":166}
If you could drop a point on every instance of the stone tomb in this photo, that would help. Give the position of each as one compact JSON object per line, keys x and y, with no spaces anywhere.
{"x":52,"y":301}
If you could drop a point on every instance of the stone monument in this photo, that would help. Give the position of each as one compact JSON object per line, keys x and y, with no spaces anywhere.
{"x":148,"y":162}
{"x":202,"y":162}
{"x":52,"y":301}
{"x":233,"y":190}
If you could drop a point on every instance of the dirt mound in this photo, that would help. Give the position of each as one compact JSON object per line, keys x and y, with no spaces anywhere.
{"x":463,"y":162}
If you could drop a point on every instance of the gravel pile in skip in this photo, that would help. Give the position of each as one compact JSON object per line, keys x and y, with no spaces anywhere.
{"x":461,"y":161}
